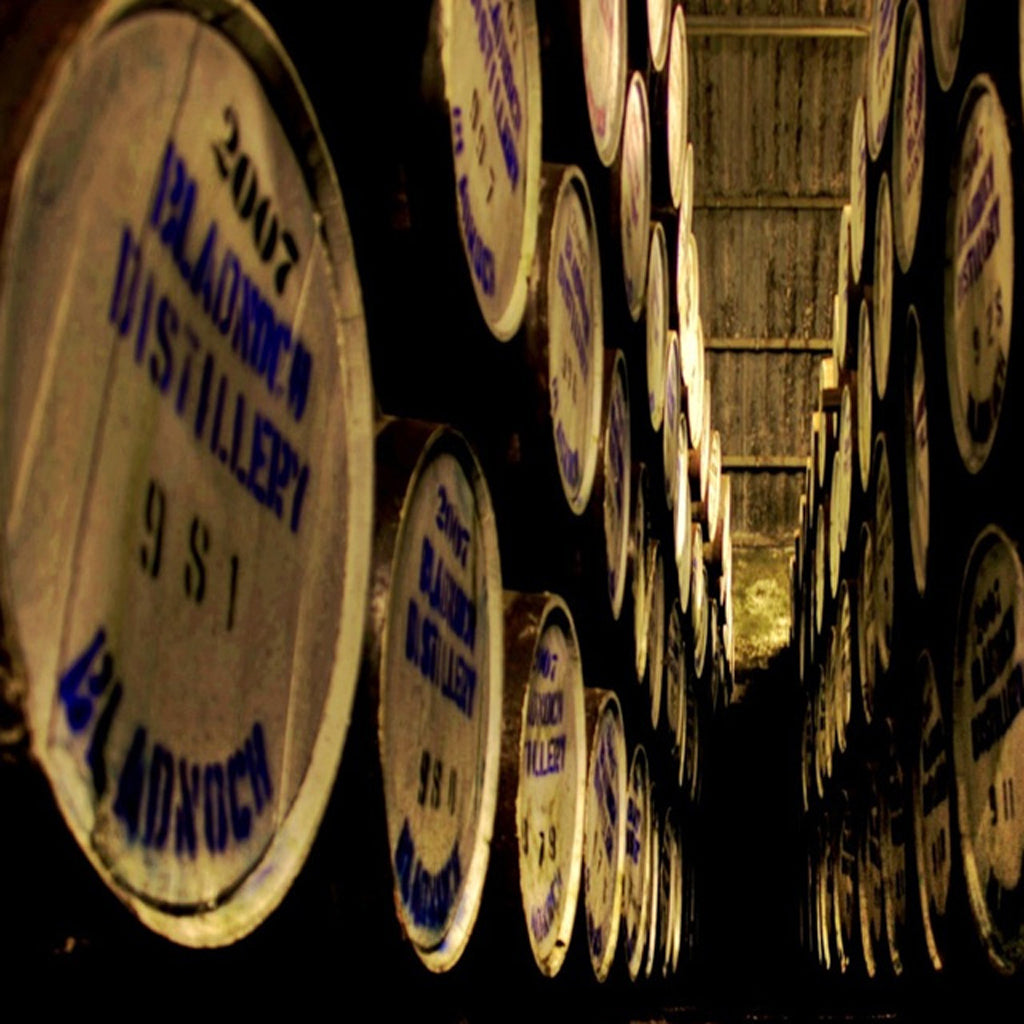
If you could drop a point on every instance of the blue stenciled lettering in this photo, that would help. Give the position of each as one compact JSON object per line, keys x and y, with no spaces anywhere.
{"x":427,"y":896}
{"x":276,"y":476}
{"x":429,"y":650}
{"x":230,"y":299}
{"x":543,"y":917}
{"x":545,"y":708}
{"x":481,"y":257}
{"x":175,"y":792}
{"x":544,"y":757}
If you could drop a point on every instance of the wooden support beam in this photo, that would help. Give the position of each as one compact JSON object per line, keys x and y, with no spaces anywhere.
{"x":769,"y":202}
{"x":798,"y":345}
{"x":764,"y":463}
{"x":781,"y":27}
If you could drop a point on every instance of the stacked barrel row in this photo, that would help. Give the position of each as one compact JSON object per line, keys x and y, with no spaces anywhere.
{"x":513,"y":575}
{"x":907,"y":580}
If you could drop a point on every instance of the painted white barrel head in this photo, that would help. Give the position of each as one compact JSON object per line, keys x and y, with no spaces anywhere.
{"x":679,"y":149}
{"x":658,"y":298}
{"x":603,"y":31}
{"x":604,"y":848}
{"x":654,"y":889}
{"x":639,"y":553}
{"x":947,"y":25}
{"x":847,"y":883}
{"x":617,"y":484}
{"x":807,"y":757}
{"x":896,"y":829}
{"x":988,"y":741}
{"x":672,"y":408}
{"x":659,"y":20}
{"x":867,"y":625}
{"x":682,"y":521}
{"x":550,"y":793}
{"x":979,"y":273}
{"x":491,"y":64}
{"x":881,"y":65}
{"x":635,"y":194}
{"x":636,"y":880}
{"x":843,"y":498}
{"x":881,"y":327}
{"x":915,"y":447}
{"x":885,"y":554}
{"x":858,"y":190}
{"x":687,"y":282}
{"x":698,"y":594}
{"x":714,"y":491}
{"x":575,"y":338}
{"x":695,"y":398}
{"x":908,"y":148}
{"x":820,"y":565}
{"x":834,"y":546}
{"x":666,"y":903}
{"x":865,"y":395}
{"x":870,"y":888}
{"x":676,"y":930}
{"x":841,"y":298}
{"x":933,"y":836}
{"x":843,"y":667}
{"x":701,"y":619}
{"x":675,"y":671}
{"x":691,"y":363}
{"x":441,"y":680}
{"x":705,"y":443}
{"x":182,"y":486}
{"x":656,"y":624}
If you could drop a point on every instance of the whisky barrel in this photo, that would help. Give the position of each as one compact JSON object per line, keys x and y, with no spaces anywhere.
{"x":675,"y":675}
{"x":909,"y":123}
{"x":882,"y":290}
{"x":916,"y":448}
{"x":858,"y":190}
{"x":658,"y":301}
{"x":979,"y":278}
{"x":542,"y":788}
{"x":687,"y":273}
{"x":175,"y":508}
{"x":604,"y":34}
{"x":680,"y":151}
{"x":885,"y":556}
{"x":947,"y":30}
{"x":865,"y":395}
{"x":659,"y":22}
{"x":845,"y":667}
{"x":631,"y":194}
{"x":636,"y":898}
{"x":881,"y":68}
{"x":840,"y":301}
{"x":988,"y":694}
{"x":616,"y":481}
{"x":604,"y":828}
{"x":673,"y":408}
{"x":933,"y":821}
{"x":564,"y":332}
{"x":435,"y":651}
{"x":682,"y":519}
{"x":896,"y":836}
{"x":496,"y":148}
{"x":669,"y":919}
{"x":656,"y":639}
{"x":639,"y":554}
{"x":654,"y":889}
{"x":867,"y":623}
{"x":870,"y":881}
